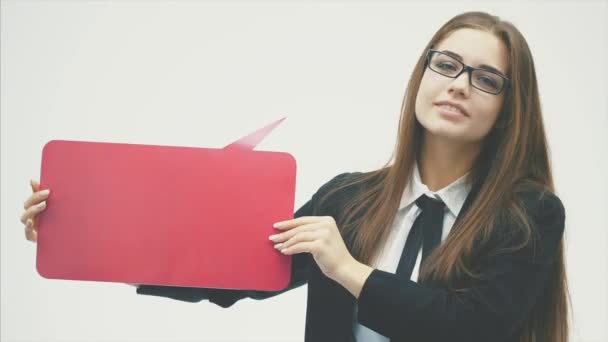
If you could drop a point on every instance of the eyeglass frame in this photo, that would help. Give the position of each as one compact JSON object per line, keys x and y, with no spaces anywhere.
{"x":468,"y":69}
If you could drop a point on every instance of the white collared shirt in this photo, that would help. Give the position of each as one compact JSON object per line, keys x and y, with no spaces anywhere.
{"x":452,"y":195}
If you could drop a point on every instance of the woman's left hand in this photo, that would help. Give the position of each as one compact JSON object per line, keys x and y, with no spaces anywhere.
{"x":317,"y":235}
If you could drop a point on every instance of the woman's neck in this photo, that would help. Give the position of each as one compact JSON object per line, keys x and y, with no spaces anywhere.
{"x":442,"y":161}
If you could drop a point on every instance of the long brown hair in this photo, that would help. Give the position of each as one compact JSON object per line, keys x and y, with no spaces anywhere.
{"x":513,"y":155}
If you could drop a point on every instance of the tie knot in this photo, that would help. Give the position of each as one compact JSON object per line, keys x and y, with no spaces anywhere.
{"x":424,"y":202}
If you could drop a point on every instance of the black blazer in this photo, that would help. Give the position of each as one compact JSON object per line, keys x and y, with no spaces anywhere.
{"x":494,"y":309}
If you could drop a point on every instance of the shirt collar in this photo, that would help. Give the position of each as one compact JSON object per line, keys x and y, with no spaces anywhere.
{"x":452,"y":195}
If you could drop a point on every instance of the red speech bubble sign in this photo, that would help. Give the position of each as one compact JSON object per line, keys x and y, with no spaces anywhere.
{"x":165,"y":215}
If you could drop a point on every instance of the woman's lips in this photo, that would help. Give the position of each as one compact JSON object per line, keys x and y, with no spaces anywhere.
{"x":450,"y":113}
{"x":452,"y":107}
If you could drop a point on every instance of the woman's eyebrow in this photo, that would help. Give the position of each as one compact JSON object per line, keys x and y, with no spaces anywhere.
{"x":482,"y":66}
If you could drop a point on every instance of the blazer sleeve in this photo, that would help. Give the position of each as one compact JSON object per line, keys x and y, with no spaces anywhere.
{"x":223,"y":297}
{"x":494,"y":306}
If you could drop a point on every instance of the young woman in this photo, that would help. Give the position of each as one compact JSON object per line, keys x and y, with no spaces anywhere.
{"x":471,"y":166}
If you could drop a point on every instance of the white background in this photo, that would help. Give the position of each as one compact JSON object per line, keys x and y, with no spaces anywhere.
{"x":205,"y":73}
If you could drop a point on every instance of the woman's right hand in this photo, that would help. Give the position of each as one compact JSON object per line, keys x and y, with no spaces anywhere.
{"x":33,"y":206}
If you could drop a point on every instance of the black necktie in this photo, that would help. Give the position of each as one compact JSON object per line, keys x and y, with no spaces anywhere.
{"x":426,"y":231}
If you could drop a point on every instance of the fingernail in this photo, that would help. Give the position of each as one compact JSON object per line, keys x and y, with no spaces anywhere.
{"x":273,"y":237}
{"x":45,"y":192}
{"x":41,"y":204}
{"x":278,"y":245}
{"x":278,"y":225}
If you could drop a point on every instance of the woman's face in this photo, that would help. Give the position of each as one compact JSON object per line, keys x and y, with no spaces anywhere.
{"x":476,"y":48}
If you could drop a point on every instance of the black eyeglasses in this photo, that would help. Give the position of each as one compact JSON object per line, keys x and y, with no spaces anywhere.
{"x":482,"y":79}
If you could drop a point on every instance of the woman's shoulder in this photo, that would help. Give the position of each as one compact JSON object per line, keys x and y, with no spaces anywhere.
{"x":536,"y":207}
{"x":347,"y":182}
{"x":334,"y":193}
{"x":335,"y":182}
{"x":538,"y":200}
{"x":535,"y":214}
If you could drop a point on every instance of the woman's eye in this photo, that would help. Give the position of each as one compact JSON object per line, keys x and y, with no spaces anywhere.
{"x":487,"y":81}
{"x":445,"y":66}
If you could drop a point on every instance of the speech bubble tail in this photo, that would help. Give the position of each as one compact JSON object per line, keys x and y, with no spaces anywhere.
{"x":250,"y":141}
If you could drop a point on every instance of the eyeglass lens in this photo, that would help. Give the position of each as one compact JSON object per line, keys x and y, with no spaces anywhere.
{"x":481,"y":79}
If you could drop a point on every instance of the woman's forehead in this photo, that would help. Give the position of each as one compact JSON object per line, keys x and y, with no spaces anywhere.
{"x":476,"y":47}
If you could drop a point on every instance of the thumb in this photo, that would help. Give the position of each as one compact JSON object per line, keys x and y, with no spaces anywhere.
{"x":35,"y":185}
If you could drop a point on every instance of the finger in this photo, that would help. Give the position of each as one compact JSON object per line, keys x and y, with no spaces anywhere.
{"x":283,"y":225}
{"x":31,"y":224}
{"x":32,"y":211}
{"x":281,"y":237}
{"x":301,"y":237}
{"x":36,"y":198}
{"x":32,"y":236}
{"x":30,"y":232}
{"x":301,"y":247}
{"x":35,"y":185}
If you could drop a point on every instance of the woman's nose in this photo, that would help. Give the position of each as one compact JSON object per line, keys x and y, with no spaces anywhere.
{"x":461,"y":84}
